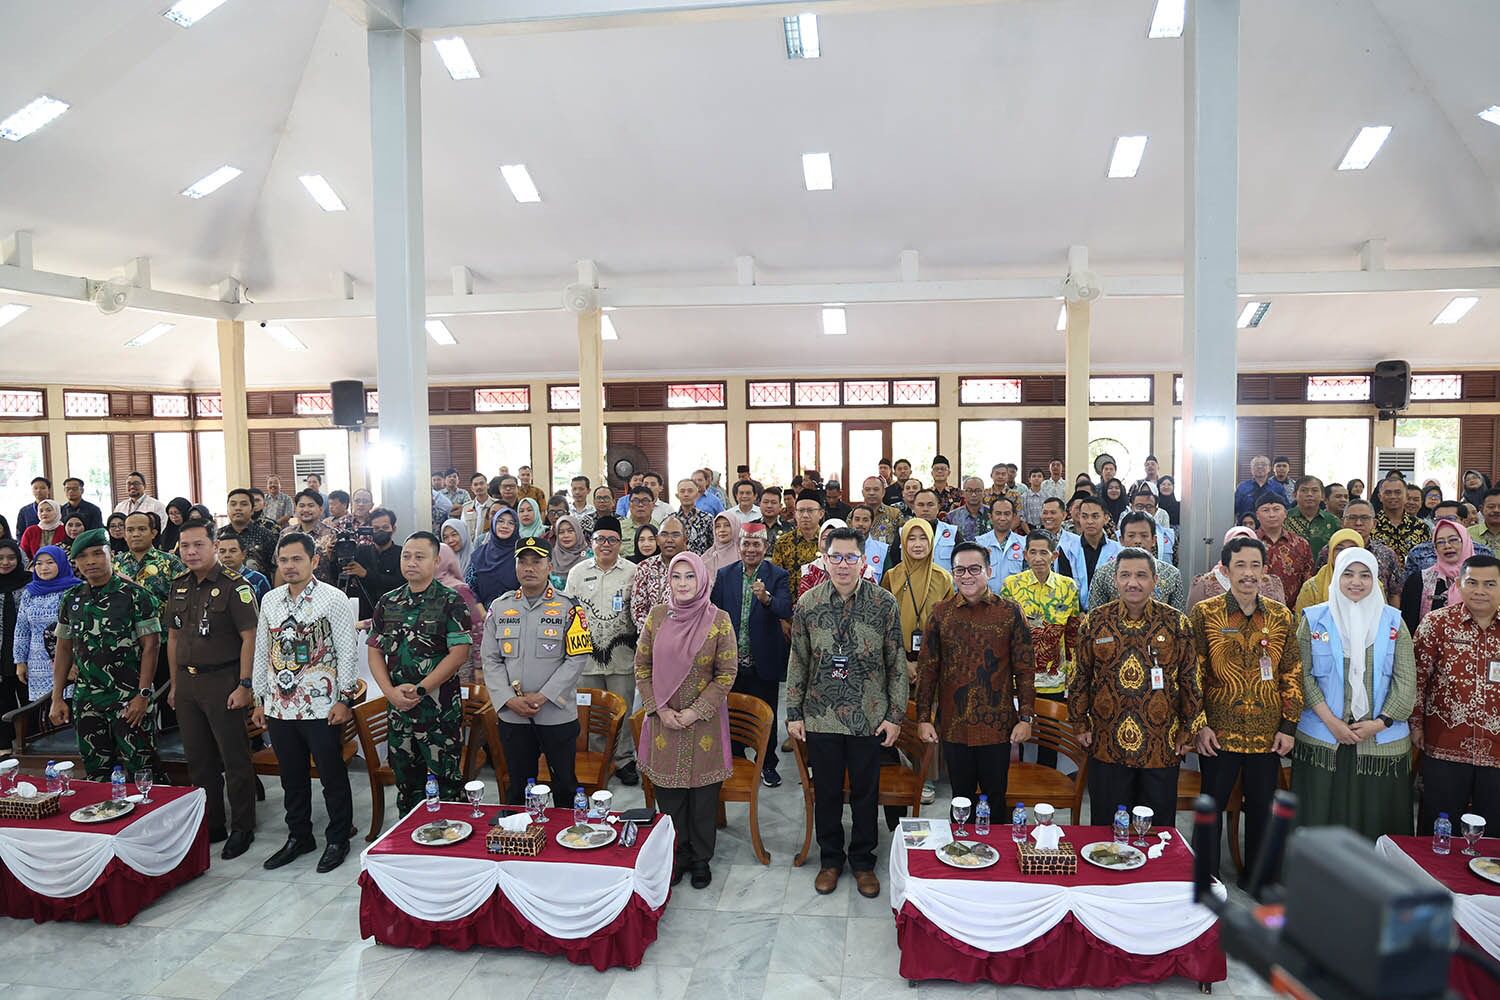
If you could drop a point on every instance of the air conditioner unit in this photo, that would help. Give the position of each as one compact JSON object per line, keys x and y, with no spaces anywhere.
{"x":307,"y":465}
{"x":1402,"y":460}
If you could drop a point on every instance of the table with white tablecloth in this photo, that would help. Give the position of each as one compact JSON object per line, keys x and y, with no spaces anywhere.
{"x":1476,"y":902}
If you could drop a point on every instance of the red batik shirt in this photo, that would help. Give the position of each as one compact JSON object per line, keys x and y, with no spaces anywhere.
{"x":1288,"y":559}
{"x":1458,"y":687}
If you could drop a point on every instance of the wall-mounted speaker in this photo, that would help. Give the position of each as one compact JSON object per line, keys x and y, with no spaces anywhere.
{"x":1390,"y":385}
{"x":348,"y":403}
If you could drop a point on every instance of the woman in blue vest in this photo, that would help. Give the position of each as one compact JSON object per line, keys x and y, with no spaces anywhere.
{"x":1351,"y":765}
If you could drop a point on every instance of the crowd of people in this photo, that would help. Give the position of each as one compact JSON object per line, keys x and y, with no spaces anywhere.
{"x":1336,"y":633}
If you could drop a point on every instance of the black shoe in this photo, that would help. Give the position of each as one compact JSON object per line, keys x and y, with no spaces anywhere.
{"x":290,"y":851}
{"x":238,"y":843}
{"x":333,"y":856}
{"x":679,"y":869}
{"x":217,"y":834}
{"x":770,"y":778}
{"x":702,"y":876}
{"x":628,"y":774}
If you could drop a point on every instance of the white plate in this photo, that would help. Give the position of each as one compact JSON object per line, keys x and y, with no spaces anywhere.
{"x":96,"y":813}
{"x":598,"y":835}
{"x":1486,"y":868}
{"x":987,"y":855}
{"x":1136,"y":855}
{"x":137,"y":797}
{"x":459,"y":825}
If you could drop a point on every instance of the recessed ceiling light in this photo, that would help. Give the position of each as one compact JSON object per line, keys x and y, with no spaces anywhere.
{"x":146,"y":336}
{"x":31,"y":118}
{"x":455,"y":55}
{"x":834,"y":321}
{"x":801,"y":32}
{"x":1364,"y":147}
{"x":438,"y":331}
{"x":817,"y":171}
{"x":1455,"y":310}
{"x":1062,"y":317}
{"x":1491,"y":114}
{"x":1252,"y":314}
{"x":1168,"y":19}
{"x":1127,"y":155}
{"x":285,"y":338}
{"x":518,"y":179}
{"x":607,"y":329}
{"x":208,"y":185}
{"x":189,"y":12}
{"x":322,"y":192}
{"x":10,"y":311}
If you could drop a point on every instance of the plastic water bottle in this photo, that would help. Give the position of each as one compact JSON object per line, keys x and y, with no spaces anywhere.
{"x":54,"y":783}
{"x":1122,"y":824}
{"x":1018,"y":823}
{"x":1442,"y":834}
{"x":117,"y":784}
{"x":982,"y":816}
{"x":432,"y":793}
{"x":580,"y":806}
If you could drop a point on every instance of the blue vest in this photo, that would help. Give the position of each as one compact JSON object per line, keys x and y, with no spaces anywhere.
{"x":1006,"y":558}
{"x":875,"y":553}
{"x":1327,"y":669}
{"x":944,"y":537}
{"x":1070,"y":544}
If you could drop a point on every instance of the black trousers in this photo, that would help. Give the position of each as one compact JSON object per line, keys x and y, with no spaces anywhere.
{"x":218,"y":752}
{"x":1257,"y":772}
{"x":769,"y":692}
{"x":831,"y":756}
{"x":1111,"y":785}
{"x":524,"y":744}
{"x":695,"y":820}
{"x":294,"y":741}
{"x":1456,"y":789}
{"x":979,"y":769}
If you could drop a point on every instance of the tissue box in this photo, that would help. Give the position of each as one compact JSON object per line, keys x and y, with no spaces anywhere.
{"x":525,"y":845}
{"x":1035,"y":861}
{"x":43,"y":805}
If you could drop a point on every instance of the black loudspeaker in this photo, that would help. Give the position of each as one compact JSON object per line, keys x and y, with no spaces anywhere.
{"x":1390,"y":385}
{"x":348,"y":403}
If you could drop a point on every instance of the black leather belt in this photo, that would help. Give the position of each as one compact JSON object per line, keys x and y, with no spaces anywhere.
{"x":212,"y":667}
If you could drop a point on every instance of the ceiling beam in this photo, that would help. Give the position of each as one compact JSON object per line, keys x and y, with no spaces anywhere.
{"x":65,"y":286}
{"x":376,"y":15}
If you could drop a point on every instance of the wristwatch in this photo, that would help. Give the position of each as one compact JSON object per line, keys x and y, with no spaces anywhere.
{"x":247,"y":683}
{"x":1386,"y":721}
{"x":144,"y":693}
{"x":1026,"y":718}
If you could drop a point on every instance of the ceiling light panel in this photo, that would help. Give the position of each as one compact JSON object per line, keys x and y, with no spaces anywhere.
{"x":518,"y":179}
{"x":1455,"y":310}
{"x":31,"y":118}
{"x":817,"y":171}
{"x":322,"y":192}
{"x":10,"y":310}
{"x":1252,"y":314}
{"x":1491,"y":114}
{"x":1364,"y":147}
{"x":1062,"y":317}
{"x":206,"y":186}
{"x":607,"y":329}
{"x":1126,"y":159}
{"x":1168,"y":19}
{"x":456,"y":58}
{"x":189,"y":12}
{"x":286,"y":338}
{"x":835,"y":323}
{"x":801,"y":31}
{"x":147,"y":336}
{"x":438,"y":331}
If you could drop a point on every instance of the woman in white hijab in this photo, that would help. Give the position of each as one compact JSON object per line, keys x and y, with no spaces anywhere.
{"x":1351,"y":765}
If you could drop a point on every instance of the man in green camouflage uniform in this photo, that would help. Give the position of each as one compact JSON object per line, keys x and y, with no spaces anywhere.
{"x":144,"y":565}
{"x":109,"y":629}
{"x":419,"y":637}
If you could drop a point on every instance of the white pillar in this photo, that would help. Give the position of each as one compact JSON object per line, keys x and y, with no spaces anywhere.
{"x":1211,"y":78}
{"x":395,"y":60}
{"x":1076,"y":354}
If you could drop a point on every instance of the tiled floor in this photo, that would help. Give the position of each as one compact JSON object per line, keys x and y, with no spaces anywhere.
{"x":240,"y":931}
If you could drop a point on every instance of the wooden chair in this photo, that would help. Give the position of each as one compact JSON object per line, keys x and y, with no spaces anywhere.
{"x":602,"y":717}
{"x":1032,"y":782}
{"x":37,"y":740}
{"x":900,"y":782}
{"x":372,"y":721}
{"x":1190,"y":786}
{"x":482,"y":738}
{"x":752,"y":723}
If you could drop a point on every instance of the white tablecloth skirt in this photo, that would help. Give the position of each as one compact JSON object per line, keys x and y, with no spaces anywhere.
{"x":1478,"y":915}
{"x":1144,"y":918}
{"x":561,"y":899}
{"x":64,"y":863}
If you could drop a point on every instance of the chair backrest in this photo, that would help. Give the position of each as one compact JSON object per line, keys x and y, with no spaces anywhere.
{"x":637,"y":723}
{"x":349,"y":738}
{"x":373,"y":721}
{"x":604,"y":713}
{"x":1052,"y":730}
{"x":751,"y":722}
{"x":917,"y":753}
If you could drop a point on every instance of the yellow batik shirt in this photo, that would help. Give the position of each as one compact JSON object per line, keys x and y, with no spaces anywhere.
{"x":1246,"y":706}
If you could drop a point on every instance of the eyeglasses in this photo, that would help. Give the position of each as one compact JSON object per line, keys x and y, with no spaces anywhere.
{"x":844,"y":558}
{"x":606,"y":539}
{"x":968,"y":571}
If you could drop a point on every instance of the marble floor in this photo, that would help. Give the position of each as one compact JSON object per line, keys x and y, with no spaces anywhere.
{"x":242,"y":932}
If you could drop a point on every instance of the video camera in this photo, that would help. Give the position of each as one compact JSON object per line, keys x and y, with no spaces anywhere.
{"x":1343,"y":924}
{"x":346,"y":544}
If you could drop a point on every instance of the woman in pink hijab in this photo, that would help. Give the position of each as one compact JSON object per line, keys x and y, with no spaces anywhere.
{"x":448,"y":575}
{"x":685,"y":662}
{"x":1437,"y":585}
{"x":1215,"y":582}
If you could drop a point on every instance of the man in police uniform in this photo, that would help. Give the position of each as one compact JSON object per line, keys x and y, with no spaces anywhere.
{"x":108,"y":627}
{"x":211,"y":618}
{"x":536,"y":644}
{"x":419,"y":637}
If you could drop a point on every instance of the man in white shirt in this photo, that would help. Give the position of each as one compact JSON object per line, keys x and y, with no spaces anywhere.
{"x":138,"y":501}
{"x":1055,"y":485}
{"x":579,"y":502}
{"x":745,"y":510}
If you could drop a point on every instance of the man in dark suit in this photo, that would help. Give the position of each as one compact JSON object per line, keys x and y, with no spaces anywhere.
{"x":757,"y":595}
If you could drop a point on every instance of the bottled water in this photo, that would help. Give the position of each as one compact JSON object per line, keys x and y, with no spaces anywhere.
{"x":530,"y":799}
{"x":1018,"y":823}
{"x":580,"y":806}
{"x":432,"y":793}
{"x":117,"y":784}
{"x":1442,"y":834}
{"x":54,"y":783}
{"x":982,"y":816}
{"x":1122,"y":824}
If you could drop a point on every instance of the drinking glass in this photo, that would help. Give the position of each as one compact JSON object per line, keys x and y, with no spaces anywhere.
{"x":8,"y":771}
{"x":475,"y":791}
{"x":143,"y":781}
{"x":961,"y":813}
{"x":65,"y":775}
{"x":1141,"y":821}
{"x":1473,"y":828}
{"x":543,"y":795}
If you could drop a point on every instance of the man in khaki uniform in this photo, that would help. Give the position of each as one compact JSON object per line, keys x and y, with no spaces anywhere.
{"x":601,"y":586}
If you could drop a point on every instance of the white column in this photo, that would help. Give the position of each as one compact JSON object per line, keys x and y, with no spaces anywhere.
{"x":591,"y":394}
{"x":395,"y":60}
{"x":232,"y":399}
{"x":1211,"y":78}
{"x":1076,"y":408}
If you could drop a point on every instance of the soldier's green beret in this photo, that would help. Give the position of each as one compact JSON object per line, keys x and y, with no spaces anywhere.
{"x":87,"y":540}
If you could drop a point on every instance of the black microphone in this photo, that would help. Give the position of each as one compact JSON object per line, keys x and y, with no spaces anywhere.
{"x":1283,"y":812}
{"x":1205,"y":819}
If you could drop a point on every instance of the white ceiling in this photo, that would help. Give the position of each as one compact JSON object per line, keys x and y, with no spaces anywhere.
{"x":977,"y":135}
